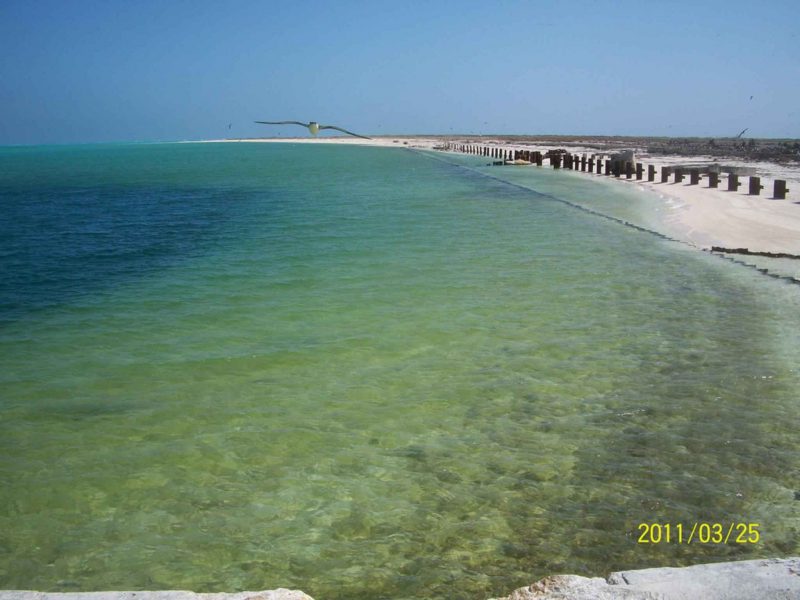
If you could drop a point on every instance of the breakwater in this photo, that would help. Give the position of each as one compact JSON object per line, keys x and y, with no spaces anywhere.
{"x":623,"y":164}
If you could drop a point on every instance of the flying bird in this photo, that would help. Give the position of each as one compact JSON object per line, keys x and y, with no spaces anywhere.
{"x":313,"y":127}
{"x":741,"y":133}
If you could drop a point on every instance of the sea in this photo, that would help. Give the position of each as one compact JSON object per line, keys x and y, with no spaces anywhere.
{"x":374,"y":373}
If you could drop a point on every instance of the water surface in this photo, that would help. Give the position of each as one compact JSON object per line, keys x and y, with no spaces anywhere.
{"x":366,"y":373}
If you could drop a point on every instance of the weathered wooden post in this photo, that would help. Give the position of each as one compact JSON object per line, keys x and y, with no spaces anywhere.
{"x":733,"y":182}
{"x":616,"y":167}
{"x":583,"y":163}
{"x":713,"y":179}
{"x":555,"y":160}
{"x":665,"y":173}
{"x":607,"y":165}
{"x":639,"y":171}
{"x":591,"y":164}
{"x":694,"y":176}
{"x":651,"y":173}
{"x":779,"y":189}
{"x":755,"y":186}
{"x":628,"y":170}
{"x":678,"y":175}
{"x":600,"y":164}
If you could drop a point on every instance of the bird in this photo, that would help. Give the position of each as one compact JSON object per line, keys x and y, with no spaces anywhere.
{"x":741,"y":133}
{"x":313,"y":127}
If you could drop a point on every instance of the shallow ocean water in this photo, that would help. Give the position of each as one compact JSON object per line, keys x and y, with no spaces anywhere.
{"x":369,"y":373}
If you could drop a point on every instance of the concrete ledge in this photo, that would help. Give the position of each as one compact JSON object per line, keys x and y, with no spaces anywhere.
{"x":770,"y":579}
{"x":764,"y":579}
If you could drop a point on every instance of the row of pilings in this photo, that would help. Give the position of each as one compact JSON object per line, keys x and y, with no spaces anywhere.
{"x":617,"y":167}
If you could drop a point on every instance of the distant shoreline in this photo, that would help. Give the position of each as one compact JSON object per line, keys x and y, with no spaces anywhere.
{"x":697,"y":214}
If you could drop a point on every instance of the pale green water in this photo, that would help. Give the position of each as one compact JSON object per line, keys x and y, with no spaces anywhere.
{"x":369,"y":374}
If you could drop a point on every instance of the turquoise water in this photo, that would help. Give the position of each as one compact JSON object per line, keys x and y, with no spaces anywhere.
{"x":369,"y":373}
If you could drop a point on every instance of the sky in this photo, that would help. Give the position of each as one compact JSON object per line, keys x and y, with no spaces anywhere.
{"x":106,"y":70}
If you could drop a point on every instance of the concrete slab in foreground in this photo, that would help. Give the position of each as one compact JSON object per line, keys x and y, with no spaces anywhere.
{"x":766,"y":579}
{"x":769,"y":579}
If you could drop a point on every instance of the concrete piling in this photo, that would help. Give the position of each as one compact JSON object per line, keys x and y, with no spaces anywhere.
{"x":780,"y":189}
{"x":596,"y":163}
{"x":755,"y":186}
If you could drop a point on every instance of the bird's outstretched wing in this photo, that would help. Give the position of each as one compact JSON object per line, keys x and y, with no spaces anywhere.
{"x":741,"y":133}
{"x":344,"y":131}
{"x":282,"y":123}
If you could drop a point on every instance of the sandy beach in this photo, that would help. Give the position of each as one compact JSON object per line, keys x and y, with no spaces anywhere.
{"x":697,"y":214}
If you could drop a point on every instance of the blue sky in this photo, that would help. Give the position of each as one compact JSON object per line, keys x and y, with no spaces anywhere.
{"x":93,"y":71}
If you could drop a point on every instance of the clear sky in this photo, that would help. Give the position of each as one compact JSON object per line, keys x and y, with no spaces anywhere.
{"x":107,"y":70}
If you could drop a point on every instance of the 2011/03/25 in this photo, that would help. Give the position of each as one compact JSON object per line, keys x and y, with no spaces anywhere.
{"x":703,"y":533}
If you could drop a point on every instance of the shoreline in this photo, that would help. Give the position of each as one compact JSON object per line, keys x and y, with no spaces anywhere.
{"x":701,"y":216}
